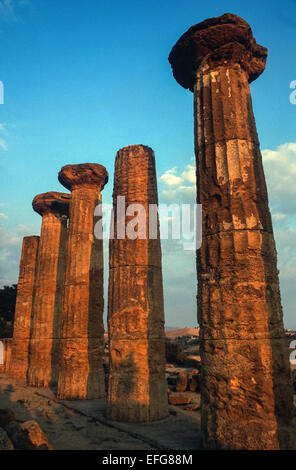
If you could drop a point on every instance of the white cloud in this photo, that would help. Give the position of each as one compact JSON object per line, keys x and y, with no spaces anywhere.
{"x":188,"y":192}
{"x":280,"y":172}
{"x":24,"y":230}
{"x":180,"y":287}
{"x":3,"y":216}
{"x":169,"y":178}
{"x":10,"y":246}
{"x":169,"y":195}
{"x":278,"y":217}
{"x":10,"y":251}
{"x":189,"y":174}
{"x":285,"y":237}
{"x":179,"y":188}
{"x":7,"y":239}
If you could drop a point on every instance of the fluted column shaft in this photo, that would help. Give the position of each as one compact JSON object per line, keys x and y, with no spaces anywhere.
{"x":82,"y":333}
{"x":137,"y":390}
{"x":19,"y":360}
{"x":246,"y":402}
{"x":45,"y":343}
{"x":246,"y":390}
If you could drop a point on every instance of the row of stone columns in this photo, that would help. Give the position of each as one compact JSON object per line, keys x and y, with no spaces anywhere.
{"x":246,"y":390}
{"x":60,"y":302}
{"x":59,"y":310}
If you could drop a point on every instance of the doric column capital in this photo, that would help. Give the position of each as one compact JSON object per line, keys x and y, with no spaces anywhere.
{"x":225,"y":40}
{"x":83,"y":174}
{"x":52,"y":202}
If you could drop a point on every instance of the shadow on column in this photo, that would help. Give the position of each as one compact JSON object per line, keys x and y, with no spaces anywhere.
{"x":57,"y":314}
{"x":96,"y":375}
{"x":282,"y":382}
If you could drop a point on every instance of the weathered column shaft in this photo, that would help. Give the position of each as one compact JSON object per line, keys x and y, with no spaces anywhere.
{"x":239,"y":309}
{"x":45,"y":342}
{"x":19,"y":360}
{"x":5,"y":354}
{"x":82,"y":332}
{"x":246,"y":393}
{"x":137,"y":389}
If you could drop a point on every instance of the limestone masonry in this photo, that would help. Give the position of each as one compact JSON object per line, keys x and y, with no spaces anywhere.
{"x":58,"y":339}
{"x":49,"y":285}
{"x":19,"y":362}
{"x":82,"y":332}
{"x":246,"y":391}
{"x":137,"y":389}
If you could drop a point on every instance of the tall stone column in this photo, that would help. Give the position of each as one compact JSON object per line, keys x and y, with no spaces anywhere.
{"x":137,"y":389}
{"x":82,"y":332}
{"x":246,"y":393}
{"x":19,"y":360}
{"x":47,"y":306}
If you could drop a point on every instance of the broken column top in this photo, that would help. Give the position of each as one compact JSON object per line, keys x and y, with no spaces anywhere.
{"x":137,"y":149}
{"x":51,"y":202}
{"x":135,"y":174}
{"x":132,"y":153}
{"x":83,"y":174}
{"x":227,"y":39}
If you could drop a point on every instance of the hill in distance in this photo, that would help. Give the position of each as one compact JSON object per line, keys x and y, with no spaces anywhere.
{"x":172,"y":334}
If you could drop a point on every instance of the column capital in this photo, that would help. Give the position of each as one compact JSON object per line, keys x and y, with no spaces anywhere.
{"x":83,"y":174}
{"x":225,"y":40}
{"x":51,"y":202}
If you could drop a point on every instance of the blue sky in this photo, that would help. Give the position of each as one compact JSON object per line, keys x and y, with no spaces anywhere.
{"x":85,"y":78}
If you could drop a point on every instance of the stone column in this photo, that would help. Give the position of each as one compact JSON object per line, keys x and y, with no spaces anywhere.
{"x":246,"y":391}
{"x":19,"y":360}
{"x":45,"y":343}
{"x":82,"y":333}
{"x":7,"y":354}
{"x":137,"y":389}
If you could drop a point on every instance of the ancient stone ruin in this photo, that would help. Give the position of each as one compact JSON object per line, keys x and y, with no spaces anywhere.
{"x":5,"y":354}
{"x":246,"y":392}
{"x":137,"y":389}
{"x":58,"y":339}
{"x":82,"y":330}
{"x":49,"y":284}
{"x":19,"y":362}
